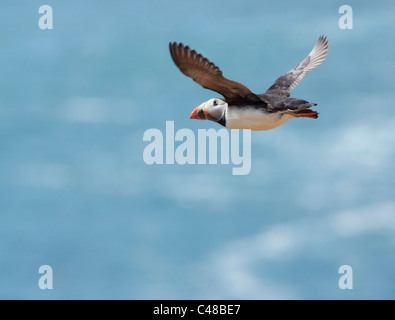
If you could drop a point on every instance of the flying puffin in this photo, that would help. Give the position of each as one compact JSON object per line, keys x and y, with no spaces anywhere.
{"x":240,"y":108}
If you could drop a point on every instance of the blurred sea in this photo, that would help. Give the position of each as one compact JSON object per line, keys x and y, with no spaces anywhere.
{"x":76,"y":194}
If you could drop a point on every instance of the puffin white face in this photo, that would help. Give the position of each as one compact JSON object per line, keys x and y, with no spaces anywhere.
{"x":213,"y":110}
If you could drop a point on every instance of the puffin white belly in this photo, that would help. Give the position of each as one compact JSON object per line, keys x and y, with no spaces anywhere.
{"x":254,"y":119}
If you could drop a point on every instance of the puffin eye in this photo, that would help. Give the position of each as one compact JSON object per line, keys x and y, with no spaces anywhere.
{"x":215,"y":103}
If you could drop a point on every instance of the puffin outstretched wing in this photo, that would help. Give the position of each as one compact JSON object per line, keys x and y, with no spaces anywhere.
{"x":290,"y":80}
{"x":209,"y":76}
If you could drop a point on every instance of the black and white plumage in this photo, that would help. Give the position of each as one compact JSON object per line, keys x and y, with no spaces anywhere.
{"x":240,"y":108}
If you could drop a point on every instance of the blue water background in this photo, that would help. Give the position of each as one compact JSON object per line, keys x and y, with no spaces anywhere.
{"x":76,"y":194}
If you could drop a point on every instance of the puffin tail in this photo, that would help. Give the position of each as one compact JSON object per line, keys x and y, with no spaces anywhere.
{"x":304,"y":113}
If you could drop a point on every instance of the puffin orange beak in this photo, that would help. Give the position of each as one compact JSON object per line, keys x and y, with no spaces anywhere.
{"x":198,"y":110}
{"x":194,"y":114}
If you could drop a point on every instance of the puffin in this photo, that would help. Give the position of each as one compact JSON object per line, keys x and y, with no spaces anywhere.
{"x":240,"y":108}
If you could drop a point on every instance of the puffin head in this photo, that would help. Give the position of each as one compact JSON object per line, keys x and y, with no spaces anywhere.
{"x":213,"y":110}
